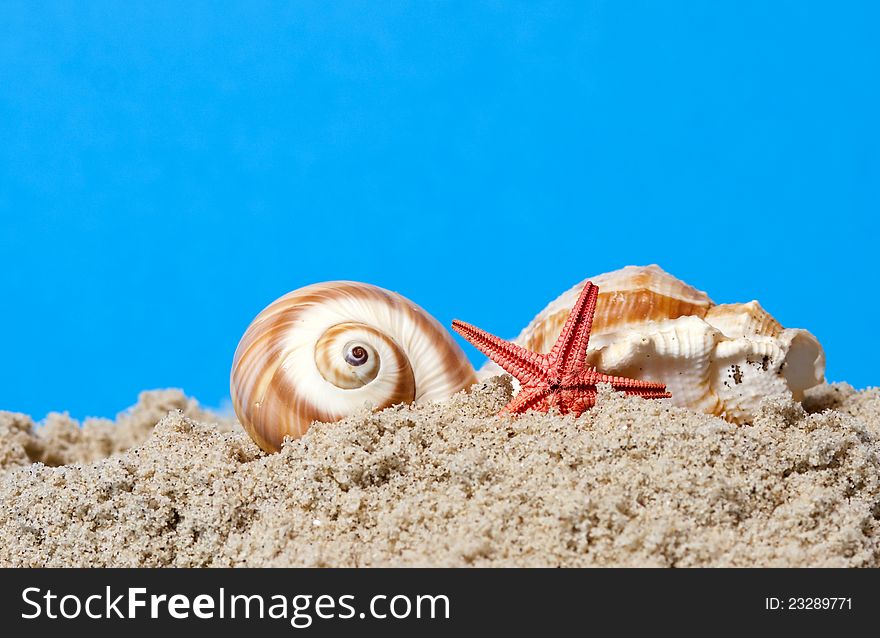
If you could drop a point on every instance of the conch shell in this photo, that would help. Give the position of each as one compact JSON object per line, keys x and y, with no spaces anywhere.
{"x":719,"y":359}
{"x":324,"y":351}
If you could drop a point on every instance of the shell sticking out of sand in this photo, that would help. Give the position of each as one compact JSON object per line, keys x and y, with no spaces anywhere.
{"x":721,"y":359}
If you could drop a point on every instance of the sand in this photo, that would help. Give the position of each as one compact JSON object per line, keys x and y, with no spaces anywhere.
{"x":629,"y":483}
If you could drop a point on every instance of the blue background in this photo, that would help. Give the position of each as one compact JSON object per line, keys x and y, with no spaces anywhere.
{"x":167,"y":170}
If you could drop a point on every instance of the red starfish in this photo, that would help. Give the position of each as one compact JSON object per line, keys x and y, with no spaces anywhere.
{"x":561,"y":379}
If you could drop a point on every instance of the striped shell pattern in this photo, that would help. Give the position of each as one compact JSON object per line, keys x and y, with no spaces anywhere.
{"x":324,"y":351}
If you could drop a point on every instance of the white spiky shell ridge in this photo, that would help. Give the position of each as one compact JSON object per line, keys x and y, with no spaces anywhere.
{"x":719,"y":359}
{"x":289,"y":369}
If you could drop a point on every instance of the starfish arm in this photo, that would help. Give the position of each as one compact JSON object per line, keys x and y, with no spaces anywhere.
{"x":570,"y":350}
{"x":581,"y":400}
{"x":649,"y":394}
{"x":647,"y":389}
{"x":525,"y":365}
{"x":528,"y":399}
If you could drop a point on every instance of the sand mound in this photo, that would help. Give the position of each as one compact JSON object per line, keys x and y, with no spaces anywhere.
{"x":632,"y":482}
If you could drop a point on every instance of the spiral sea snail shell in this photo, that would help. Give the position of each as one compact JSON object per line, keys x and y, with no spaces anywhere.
{"x":324,"y":351}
